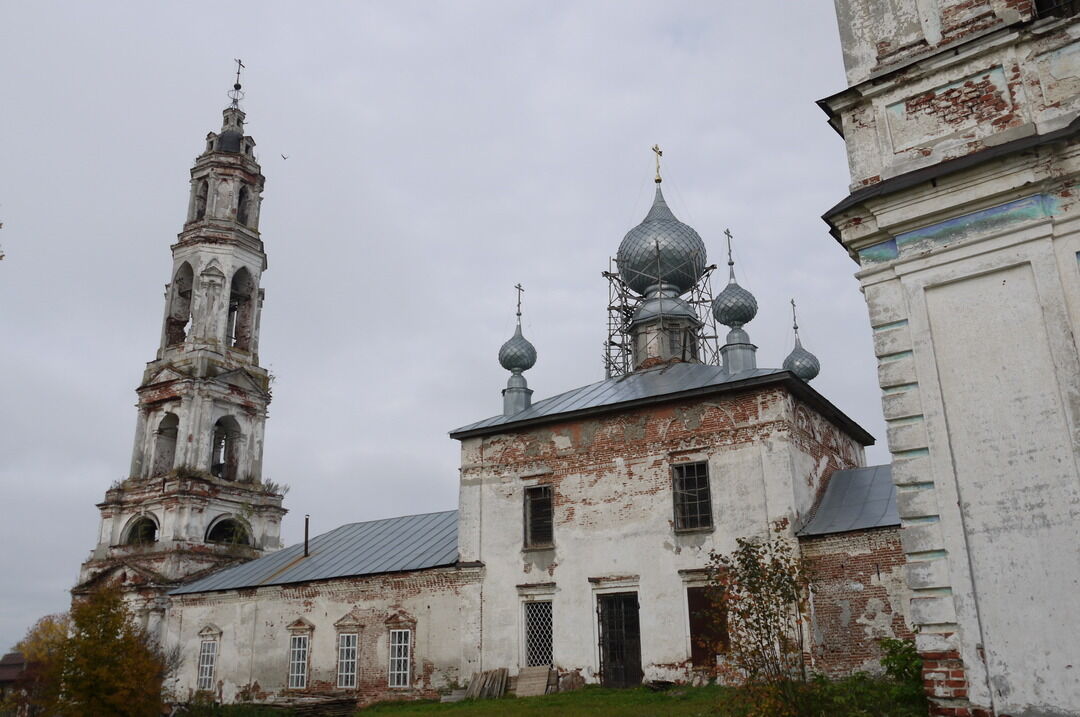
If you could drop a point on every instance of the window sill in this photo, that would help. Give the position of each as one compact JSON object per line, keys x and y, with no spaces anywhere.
{"x":538,"y":548}
{"x":694,"y":531}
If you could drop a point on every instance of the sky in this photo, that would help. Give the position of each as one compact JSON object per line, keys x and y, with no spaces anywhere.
{"x":438,"y":154}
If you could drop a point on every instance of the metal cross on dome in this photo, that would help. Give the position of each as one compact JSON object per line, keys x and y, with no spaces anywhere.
{"x":235,"y":94}
{"x":520,"y":290}
{"x":659,"y":153}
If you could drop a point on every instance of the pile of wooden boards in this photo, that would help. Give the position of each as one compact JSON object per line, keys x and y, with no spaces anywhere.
{"x":536,"y":681}
{"x":487,"y":685}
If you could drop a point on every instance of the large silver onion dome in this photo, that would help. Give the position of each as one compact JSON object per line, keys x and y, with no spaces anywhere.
{"x":681,"y":259}
{"x":734,"y":306}
{"x":517,"y":354}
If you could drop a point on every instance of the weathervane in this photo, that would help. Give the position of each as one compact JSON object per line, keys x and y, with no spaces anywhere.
{"x":659,"y":153}
{"x":520,"y":290}
{"x":235,"y":94}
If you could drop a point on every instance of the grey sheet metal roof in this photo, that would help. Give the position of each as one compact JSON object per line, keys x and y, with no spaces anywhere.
{"x":411,"y":542}
{"x":661,"y":383}
{"x":855,"y":500}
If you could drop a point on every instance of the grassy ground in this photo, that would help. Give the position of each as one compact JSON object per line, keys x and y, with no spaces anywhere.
{"x":589,"y":702}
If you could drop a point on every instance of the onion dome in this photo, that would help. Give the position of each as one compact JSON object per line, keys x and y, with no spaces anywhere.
{"x":661,"y":250}
{"x":664,"y":305}
{"x":801,"y":362}
{"x":734,"y":306}
{"x":517,"y":354}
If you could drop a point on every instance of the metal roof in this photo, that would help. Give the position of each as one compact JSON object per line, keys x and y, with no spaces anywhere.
{"x":411,"y":542}
{"x":855,"y":499}
{"x":668,"y":382}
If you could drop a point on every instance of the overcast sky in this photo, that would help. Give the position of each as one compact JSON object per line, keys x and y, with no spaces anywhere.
{"x":438,"y":153}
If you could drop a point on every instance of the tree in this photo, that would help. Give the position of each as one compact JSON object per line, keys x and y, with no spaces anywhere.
{"x":95,"y":662}
{"x":760,"y":590}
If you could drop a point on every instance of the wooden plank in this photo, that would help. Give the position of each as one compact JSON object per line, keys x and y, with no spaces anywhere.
{"x":532,"y":681}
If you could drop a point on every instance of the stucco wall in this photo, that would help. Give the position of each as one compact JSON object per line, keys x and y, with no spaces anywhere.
{"x":611,"y":477}
{"x":440,"y":606}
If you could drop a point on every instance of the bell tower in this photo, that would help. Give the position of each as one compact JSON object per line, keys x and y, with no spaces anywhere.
{"x":194,"y":499}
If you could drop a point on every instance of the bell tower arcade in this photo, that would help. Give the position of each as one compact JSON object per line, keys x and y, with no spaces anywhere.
{"x":195,"y":499}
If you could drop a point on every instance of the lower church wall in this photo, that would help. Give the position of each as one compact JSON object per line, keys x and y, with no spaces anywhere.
{"x":253,"y":630}
{"x":860,"y":595}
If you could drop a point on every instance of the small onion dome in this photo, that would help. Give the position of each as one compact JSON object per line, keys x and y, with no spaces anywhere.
{"x":517,"y":354}
{"x":802,"y":363}
{"x":666,"y":306}
{"x":661,"y":250}
{"x":734,"y":306}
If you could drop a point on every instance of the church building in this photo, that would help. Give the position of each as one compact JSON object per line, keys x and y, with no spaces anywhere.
{"x":585,"y":520}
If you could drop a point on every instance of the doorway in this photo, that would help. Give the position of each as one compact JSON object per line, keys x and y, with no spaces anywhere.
{"x":620,"y":640}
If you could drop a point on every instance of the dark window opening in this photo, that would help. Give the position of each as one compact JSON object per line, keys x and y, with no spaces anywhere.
{"x":620,"y":640}
{"x":538,"y":634}
{"x":1061,"y":8}
{"x":708,"y":626}
{"x":242,"y":206}
{"x":693,"y":503}
{"x":224,"y":459}
{"x":178,"y":321}
{"x":539,"y":531}
{"x":142,"y":532}
{"x":201,"y":195}
{"x":228,"y":531}
{"x":241,"y":310}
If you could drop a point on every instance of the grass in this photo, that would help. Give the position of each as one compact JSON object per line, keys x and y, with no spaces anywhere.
{"x":589,"y":702}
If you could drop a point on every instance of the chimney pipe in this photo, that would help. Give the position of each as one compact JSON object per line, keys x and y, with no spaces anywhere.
{"x":307,"y":522}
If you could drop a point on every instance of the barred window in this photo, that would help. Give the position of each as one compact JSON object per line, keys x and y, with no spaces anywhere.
{"x":207,"y":660}
{"x":400,"y":642}
{"x":538,"y":517}
{"x":346,"y":663}
{"x":693,"y":504}
{"x":538,"y":634}
{"x":298,"y":654}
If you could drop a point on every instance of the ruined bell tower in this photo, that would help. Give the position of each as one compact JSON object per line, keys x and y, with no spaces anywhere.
{"x":195,"y":500}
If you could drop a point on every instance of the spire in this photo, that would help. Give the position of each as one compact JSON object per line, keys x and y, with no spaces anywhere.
{"x":517,"y":356}
{"x":801,"y":362}
{"x":735,"y":307}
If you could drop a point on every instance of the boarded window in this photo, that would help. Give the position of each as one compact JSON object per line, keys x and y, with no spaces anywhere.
{"x":538,"y":517}
{"x":400,"y":642}
{"x":708,"y":628}
{"x":207,"y":660}
{"x":538,"y":634}
{"x":346,"y":665}
{"x":298,"y":654}
{"x":693,"y":503}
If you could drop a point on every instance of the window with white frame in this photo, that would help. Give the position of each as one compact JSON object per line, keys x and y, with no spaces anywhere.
{"x":400,"y":645}
{"x":298,"y":661}
{"x":346,"y":660}
{"x":538,"y":633}
{"x":207,"y":662}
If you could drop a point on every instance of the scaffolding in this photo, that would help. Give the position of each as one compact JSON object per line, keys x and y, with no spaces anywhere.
{"x":623,"y":302}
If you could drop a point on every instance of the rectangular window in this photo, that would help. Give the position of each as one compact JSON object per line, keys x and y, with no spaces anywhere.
{"x":538,"y":517}
{"x":298,"y":654}
{"x":400,"y":642}
{"x":346,"y":661}
{"x":708,"y":627}
{"x":538,"y":634}
{"x":207,"y":658}
{"x":693,"y":504}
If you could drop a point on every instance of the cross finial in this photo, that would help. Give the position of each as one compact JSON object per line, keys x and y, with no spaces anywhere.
{"x":659,"y":153}
{"x":520,"y":291}
{"x":794,"y":320}
{"x":235,"y":92}
{"x":730,"y":261}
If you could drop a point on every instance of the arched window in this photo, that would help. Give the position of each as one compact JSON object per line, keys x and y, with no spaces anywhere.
{"x":165,"y":444}
{"x":241,"y":310}
{"x":226,"y":443}
{"x":179,"y":317}
{"x":242,"y":205}
{"x":230,"y":531}
{"x":142,"y":531}
{"x":201,"y":195}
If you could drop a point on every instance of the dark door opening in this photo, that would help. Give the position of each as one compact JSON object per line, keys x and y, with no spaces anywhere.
{"x":620,"y":640}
